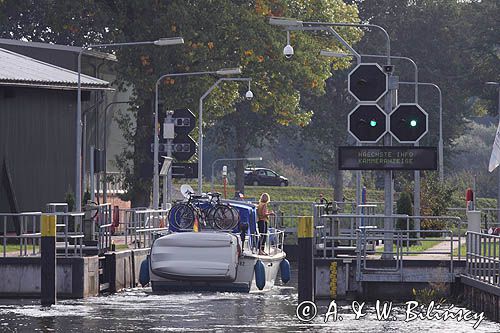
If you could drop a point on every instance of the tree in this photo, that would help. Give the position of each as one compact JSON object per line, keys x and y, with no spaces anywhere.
{"x":454,"y":44}
{"x":281,"y":84}
{"x":218,"y":33}
{"x":237,"y":33}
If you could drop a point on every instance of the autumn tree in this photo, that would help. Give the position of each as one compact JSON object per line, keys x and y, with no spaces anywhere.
{"x":218,"y":33}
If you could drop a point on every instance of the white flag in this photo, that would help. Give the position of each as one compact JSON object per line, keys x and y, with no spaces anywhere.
{"x":495,"y":152}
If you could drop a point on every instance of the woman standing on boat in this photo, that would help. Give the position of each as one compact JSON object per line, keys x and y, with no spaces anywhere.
{"x":263,"y":218}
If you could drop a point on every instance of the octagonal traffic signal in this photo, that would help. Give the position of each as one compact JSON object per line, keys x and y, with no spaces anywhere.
{"x":408,"y":123}
{"x":367,"y":82}
{"x":367,"y":123}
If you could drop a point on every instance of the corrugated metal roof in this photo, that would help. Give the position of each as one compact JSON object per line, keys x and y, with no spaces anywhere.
{"x":17,"y":69}
{"x":59,"y":47}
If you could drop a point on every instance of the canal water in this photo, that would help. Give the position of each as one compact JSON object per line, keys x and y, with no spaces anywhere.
{"x":138,"y":310}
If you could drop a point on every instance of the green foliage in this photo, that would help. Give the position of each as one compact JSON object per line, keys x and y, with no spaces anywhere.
{"x":435,"y":292}
{"x":404,"y":206}
{"x":434,"y":195}
{"x":434,"y":200}
{"x":470,"y":156}
{"x":86,"y":198}
{"x":70,"y":200}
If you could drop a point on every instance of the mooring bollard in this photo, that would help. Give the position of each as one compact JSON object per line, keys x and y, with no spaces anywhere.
{"x":48,"y":260}
{"x":306,"y":268}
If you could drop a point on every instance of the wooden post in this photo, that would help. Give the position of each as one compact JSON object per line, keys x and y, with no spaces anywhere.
{"x":306,"y":268}
{"x":48,"y":260}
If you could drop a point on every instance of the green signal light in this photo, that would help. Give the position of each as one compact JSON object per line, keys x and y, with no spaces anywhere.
{"x":373,"y":123}
{"x":413,"y":123}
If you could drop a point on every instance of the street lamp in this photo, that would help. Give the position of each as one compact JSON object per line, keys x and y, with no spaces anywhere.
{"x":229,"y":159}
{"x":440,"y":143}
{"x":248,"y":95}
{"x":496,"y":84}
{"x":156,"y":178}
{"x":78,"y":148}
{"x":105,"y":187}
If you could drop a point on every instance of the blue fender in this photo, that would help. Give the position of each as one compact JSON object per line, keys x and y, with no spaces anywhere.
{"x":144,"y":272}
{"x":260,"y":274}
{"x":285,"y":270}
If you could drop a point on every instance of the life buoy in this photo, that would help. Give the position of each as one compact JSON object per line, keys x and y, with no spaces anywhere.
{"x":260,"y":274}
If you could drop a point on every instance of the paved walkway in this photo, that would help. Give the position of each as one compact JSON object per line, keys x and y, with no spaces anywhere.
{"x":439,"y":251}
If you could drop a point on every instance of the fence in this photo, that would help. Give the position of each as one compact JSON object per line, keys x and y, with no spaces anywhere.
{"x":336,"y":233}
{"x":400,"y":241}
{"x":483,"y":257}
{"x":69,"y":235}
{"x":141,"y":225}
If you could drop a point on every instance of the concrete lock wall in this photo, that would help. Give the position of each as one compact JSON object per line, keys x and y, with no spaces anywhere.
{"x":76,"y":277}
{"x":482,"y":301}
{"x":337,"y":279}
{"x":123,"y":268}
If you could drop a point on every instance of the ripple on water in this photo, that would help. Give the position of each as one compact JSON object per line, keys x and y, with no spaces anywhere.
{"x":138,"y":310}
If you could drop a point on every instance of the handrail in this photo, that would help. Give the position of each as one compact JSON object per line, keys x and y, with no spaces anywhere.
{"x":482,"y":262}
{"x":29,"y":234}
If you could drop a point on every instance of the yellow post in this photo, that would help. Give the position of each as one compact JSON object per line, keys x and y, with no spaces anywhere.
{"x":305,"y":233}
{"x":48,"y":226}
{"x":306,"y":227}
{"x":48,"y":260}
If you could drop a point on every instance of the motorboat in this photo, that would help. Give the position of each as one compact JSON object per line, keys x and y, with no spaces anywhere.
{"x":204,"y":258}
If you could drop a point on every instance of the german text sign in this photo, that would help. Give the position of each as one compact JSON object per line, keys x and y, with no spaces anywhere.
{"x":387,"y":158}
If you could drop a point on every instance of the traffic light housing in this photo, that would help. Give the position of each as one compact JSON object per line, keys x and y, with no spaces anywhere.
{"x":368,"y":82}
{"x":367,"y":123}
{"x":408,"y":123}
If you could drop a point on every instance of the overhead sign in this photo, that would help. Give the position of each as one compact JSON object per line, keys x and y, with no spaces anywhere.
{"x":388,"y":158}
{"x":184,"y":170}
{"x":184,"y":121}
{"x":495,"y":152}
{"x":367,"y":82}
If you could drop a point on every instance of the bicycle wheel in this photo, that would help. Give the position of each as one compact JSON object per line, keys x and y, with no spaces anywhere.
{"x":183,"y":217}
{"x":224,"y":218}
{"x":236,"y":215}
{"x":209,"y":216}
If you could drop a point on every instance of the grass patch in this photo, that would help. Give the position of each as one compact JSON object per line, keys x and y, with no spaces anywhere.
{"x":493,"y":248}
{"x":423,"y":246}
{"x":119,"y":247}
{"x":12,"y":248}
{"x":290,"y":193}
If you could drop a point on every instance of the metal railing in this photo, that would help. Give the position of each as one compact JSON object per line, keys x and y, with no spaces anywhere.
{"x":273,"y":241}
{"x":142,"y":225}
{"x":489,"y":217}
{"x":103,"y":219}
{"x":69,"y":234}
{"x":336,"y":233}
{"x":401,"y":247}
{"x":302,"y":207}
{"x":483,"y":258}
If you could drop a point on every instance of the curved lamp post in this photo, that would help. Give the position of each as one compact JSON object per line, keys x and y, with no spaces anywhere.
{"x":248,"y":95}
{"x":78,"y":141}
{"x":296,"y":25}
